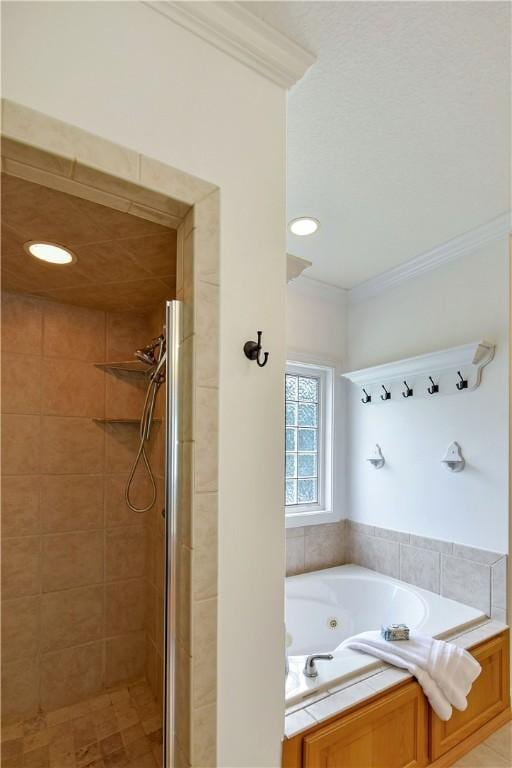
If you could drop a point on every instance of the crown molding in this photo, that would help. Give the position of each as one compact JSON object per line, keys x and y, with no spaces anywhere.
{"x":437,"y":257}
{"x":236,"y":31}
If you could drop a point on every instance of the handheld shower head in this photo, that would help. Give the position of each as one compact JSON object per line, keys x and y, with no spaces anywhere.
{"x":147,"y":354}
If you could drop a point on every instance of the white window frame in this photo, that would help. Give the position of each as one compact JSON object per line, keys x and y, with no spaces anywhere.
{"x":321,"y":511}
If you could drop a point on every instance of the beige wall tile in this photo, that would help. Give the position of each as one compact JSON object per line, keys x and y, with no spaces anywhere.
{"x":466,"y":581}
{"x":71,"y":617}
{"x":125,"y":606}
{"x":71,"y":502}
{"x":185,"y":467}
{"x":21,"y":566}
{"x":72,"y":560}
{"x":20,"y":628}
{"x":71,"y":675}
{"x":74,"y":333}
{"x":206,"y":329}
{"x":499,"y":584}
{"x":204,"y":735}
{"x":204,"y":546}
{"x":125,"y":553}
{"x":121,"y":445}
{"x":203,"y":649}
{"x":126,"y":332}
{"x":20,"y":444}
{"x":36,"y":158}
{"x":421,"y":567}
{"x":187,"y":389}
{"x":117,"y":511}
{"x":172,"y":182}
{"x":183,"y":600}
{"x":124,"y":658}
{"x":22,"y":324}
{"x":206,"y":245}
{"x":150,"y":600}
{"x":20,"y":506}
{"x":124,"y":397}
{"x":72,"y":388}
{"x":21,"y":383}
{"x":295,"y":555}
{"x":20,"y":687}
{"x":71,"y":445}
{"x":206,"y":440}
{"x":183,"y":705}
{"x":324,"y":546}
{"x":377,"y":554}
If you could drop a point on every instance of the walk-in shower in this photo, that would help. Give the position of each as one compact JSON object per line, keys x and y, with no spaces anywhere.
{"x":155,"y":356}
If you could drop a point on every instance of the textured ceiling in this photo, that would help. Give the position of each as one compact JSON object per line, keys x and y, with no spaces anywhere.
{"x":398,"y":136}
{"x":123,"y":262}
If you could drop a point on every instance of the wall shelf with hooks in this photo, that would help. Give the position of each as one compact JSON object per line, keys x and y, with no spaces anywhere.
{"x":447,"y":371}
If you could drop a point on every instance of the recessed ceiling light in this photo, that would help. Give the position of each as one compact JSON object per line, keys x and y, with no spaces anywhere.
{"x":54,"y":254}
{"x":304,"y":225}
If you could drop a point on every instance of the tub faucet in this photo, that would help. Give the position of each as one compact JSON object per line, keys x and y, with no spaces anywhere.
{"x":310,"y":669}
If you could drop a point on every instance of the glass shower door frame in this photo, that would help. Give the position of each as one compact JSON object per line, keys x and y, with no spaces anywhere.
{"x":173,"y":321}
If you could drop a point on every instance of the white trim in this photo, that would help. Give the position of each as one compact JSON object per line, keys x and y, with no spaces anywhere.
{"x":236,"y":31}
{"x":430,"y":260}
{"x":476,"y":355}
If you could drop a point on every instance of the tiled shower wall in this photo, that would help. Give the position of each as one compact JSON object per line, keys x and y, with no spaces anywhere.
{"x":73,"y":555}
{"x":476,"y":577}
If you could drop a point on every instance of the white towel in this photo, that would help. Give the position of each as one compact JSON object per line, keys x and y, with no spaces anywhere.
{"x":444,"y":671}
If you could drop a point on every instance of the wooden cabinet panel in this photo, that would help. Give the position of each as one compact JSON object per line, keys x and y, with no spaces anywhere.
{"x":488,"y":697}
{"x":390,"y":733}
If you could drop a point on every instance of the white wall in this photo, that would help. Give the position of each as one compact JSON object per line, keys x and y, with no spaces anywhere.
{"x":462,"y":302}
{"x":315,"y":332}
{"x":123,"y":72}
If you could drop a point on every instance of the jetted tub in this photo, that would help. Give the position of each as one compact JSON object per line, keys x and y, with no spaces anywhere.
{"x":324,"y":608}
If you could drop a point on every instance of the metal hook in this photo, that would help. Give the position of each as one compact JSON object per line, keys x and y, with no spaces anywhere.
{"x":367,"y":398}
{"x":252,"y":351}
{"x":463,"y":383}
{"x":386,"y":395}
{"x":408,"y":391}
{"x":434,"y":388}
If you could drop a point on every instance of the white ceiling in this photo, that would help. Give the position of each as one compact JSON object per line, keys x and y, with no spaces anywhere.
{"x":399,"y":135}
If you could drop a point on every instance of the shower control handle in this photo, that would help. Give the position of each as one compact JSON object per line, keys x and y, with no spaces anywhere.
{"x":310,"y":669}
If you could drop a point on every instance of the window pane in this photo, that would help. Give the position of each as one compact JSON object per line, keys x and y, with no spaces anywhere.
{"x":291,"y":492}
{"x":307,"y":465}
{"x":307,"y":415}
{"x":291,"y":387}
{"x":291,"y":414}
{"x":306,"y":491}
{"x":307,"y":439}
{"x":291,"y":465}
{"x":291,"y":439}
{"x":308,"y":389}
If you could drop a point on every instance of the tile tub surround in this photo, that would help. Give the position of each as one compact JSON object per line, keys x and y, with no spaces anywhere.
{"x":476,"y":577}
{"x":73,"y":556}
{"x":317,"y":708}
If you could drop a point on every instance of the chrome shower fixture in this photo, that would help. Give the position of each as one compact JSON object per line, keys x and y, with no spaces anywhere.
{"x":147,"y":354}
{"x":154,"y":355}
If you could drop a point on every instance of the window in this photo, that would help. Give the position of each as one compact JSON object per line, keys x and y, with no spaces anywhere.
{"x":308,"y":403}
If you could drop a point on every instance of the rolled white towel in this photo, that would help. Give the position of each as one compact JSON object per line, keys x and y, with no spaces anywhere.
{"x":444,"y":671}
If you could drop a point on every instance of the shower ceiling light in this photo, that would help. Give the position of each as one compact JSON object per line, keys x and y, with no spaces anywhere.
{"x":54,"y":254}
{"x":304,"y":225}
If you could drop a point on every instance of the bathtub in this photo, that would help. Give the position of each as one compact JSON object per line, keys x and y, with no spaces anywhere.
{"x":323,"y":608}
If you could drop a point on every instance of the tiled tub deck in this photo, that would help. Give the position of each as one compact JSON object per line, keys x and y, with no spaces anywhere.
{"x":117,"y":729}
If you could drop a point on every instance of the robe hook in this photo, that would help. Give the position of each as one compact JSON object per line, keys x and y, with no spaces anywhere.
{"x":408,"y":391}
{"x":367,"y":398}
{"x":462,"y":383}
{"x":434,"y":388}
{"x":386,"y":395}
{"x":252,"y":351}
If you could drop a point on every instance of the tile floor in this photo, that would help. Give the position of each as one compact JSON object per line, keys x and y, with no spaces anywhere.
{"x":118,"y":729}
{"x":495,"y":752}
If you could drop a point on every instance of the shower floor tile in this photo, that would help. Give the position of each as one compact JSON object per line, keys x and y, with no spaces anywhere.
{"x":119,"y":729}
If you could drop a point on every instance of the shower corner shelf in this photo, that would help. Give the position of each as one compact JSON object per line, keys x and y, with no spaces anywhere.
{"x":120,"y":421}
{"x":131,"y":367}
